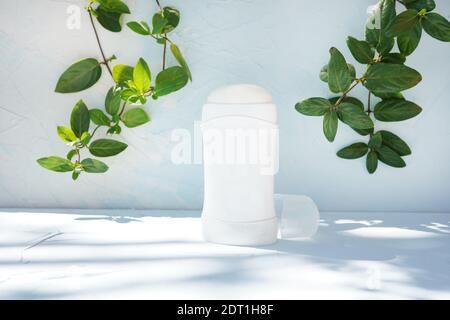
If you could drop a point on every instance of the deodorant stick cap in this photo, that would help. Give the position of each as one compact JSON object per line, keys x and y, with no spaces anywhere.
{"x":240,"y":94}
{"x":240,"y":100}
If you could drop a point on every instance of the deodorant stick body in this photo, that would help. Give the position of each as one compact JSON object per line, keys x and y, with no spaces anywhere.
{"x":240,"y":156}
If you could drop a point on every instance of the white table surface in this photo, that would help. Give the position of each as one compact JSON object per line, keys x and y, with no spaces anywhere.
{"x":109,"y":254}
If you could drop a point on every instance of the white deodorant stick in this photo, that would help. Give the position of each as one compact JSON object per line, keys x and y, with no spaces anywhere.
{"x":240,"y":156}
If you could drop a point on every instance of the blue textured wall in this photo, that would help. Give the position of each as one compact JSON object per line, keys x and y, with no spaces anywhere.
{"x":280,"y":45}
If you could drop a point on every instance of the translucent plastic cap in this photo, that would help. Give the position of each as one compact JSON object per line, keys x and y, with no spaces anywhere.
{"x":240,"y":94}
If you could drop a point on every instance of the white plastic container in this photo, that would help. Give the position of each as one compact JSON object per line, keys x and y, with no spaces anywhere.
{"x":240,"y":154}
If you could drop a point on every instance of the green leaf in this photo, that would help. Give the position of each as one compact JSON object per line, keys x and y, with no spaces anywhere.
{"x":112,"y":101}
{"x":372,"y":161}
{"x":75,"y":175}
{"x":386,"y":77}
{"x":158,"y":23}
{"x":122,"y":73}
{"x":408,"y":41}
{"x":354,"y":151}
{"x":388,"y":95}
{"x":395,"y":143}
{"x":99,"y":117}
{"x":352,"y":70}
{"x":355,"y":102}
{"x":378,"y":24}
{"x":170,"y":80}
{"x":106,"y":147}
{"x":85,"y":138}
{"x":79,"y":76}
{"x":109,"y":20}
{"x":313,"y":106}
{"x":66,"y":134}
{"x":177,"y":54}
{"x":79,"y":119}
{"x":57,"y":164}
{"x":330,"y":124}
{"x":142,"y":76}
{"x":375,"y":141}
{"x":324,"y":72}
{"x":114,"y":130}
{"x":396,"y":58}
{"x":71,"y":154}
{"x":436,"y":26}
{"x":172,"y":16}
{"x":348,"y":99}
{"x":339,"y":78}
{"x":353,"y":116}
{"x":396,"y":110}
{"x":135,"y":117}
{"x":405,"y":21}
{"x":361,"y":50}
{"x":390,"y":157}
{"x":418,"y":5}
{"x":94,"y":166}
{"x":129,"y":95}
{"x":114,"y":6}
{"x":140,"y":28}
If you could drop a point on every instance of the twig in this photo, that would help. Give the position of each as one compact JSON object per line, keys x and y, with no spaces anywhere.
{"x":369,"y":111}
{"x":123,"y":108}
{"x":346,"y":92}
{"x":164,"y":53}
{"x":105,"y":61}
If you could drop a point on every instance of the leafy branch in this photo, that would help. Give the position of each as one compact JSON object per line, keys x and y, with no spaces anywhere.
{"x":385,"y":78}
{"x":132,"y":86}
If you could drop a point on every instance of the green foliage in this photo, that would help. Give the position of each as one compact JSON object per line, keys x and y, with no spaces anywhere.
{"x":339,"y":78}
{"x":79,"y":119}
{"x":79,"y":76}
{"x":371,"y":161}
{"x":93,"y":166}
{"x":385,"y":78}
{"x":396,"y":110}
{"x":408,"y":41}
{"x":141,"y":76}
{"x":170,"y":80}
{"x":436,"y":26}
{"x":361,"y":50}
{"x":418,"y":5}
{"x":404,"y":22}
{"x":313,"y":106}
{"x":56,"y":164}
{"x":330,"y":125}
{"x":177,"y":54}
{"x":99,"y":117}
{"x":353,"y":116}
{"x":395,"y":143}
{"x":354,"y":151}
{"x":135,"y":117}
{"x":141,"y":28}
{"x":106,"y":147}
{"x":122,"y":74}
{"x":132,"y":85}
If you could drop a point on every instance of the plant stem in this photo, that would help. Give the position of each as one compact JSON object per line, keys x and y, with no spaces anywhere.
{"x":164,"y":53}
{"x":369,"y":111}
{"x":346,"y":92}
{"x":159,"y":5}
{"x":105,"y":61}
{"x":123,"y":108}
{"x":78,"y":155}
{"x":95,"y":130}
